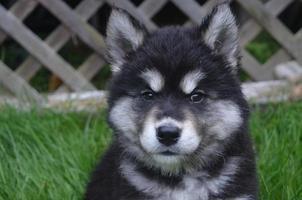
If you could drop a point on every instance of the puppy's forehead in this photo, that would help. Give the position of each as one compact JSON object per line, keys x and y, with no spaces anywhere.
{"x":187,"y":83}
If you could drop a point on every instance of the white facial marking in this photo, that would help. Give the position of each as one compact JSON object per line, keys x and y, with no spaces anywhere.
{"x":123,"y":117}
{"x":149,"y":141}
{"x":189,"y":139}
{"x":197,"y":186}
{"x":148,"y":138}
{"x":154,"y":79}
{"x":169,"y":120}
{"x":190,"y":81}
{"x":188,"y":142}
{"x":223,"y":118}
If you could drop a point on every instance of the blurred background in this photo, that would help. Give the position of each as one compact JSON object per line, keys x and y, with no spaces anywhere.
{"x":52,"y":48}
{"x":73,"y":30}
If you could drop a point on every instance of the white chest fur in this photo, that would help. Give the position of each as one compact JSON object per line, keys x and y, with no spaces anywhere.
{"x":193,"y":187}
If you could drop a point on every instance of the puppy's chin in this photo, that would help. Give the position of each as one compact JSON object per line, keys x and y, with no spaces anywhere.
{"x":167,"y":159}
{"x":168,"y":164}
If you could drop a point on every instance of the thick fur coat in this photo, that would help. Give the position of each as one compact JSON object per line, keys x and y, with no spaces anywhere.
{"x":179,"y":118}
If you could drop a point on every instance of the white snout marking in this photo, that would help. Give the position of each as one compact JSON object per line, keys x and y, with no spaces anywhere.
{"x":168,"y":121}
{"x":188,"y":142}
{"x":148,"y":138}
{"x":189,"y":139}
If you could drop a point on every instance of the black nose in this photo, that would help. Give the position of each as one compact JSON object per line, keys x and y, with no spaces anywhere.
{"x":168,"y":135}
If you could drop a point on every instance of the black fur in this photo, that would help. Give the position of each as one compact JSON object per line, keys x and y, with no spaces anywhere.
{"x":174,"y":51}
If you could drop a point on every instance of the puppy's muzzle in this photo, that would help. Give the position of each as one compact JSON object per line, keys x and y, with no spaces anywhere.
{"x":168,"y":134}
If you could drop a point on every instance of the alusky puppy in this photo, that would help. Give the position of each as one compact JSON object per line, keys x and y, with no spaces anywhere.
{"x":179,"y":118}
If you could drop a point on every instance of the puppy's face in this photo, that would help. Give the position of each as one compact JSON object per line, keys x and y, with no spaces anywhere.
{"x":174,"y":100}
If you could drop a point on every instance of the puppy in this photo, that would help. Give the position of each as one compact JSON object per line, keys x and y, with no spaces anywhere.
{"x":179,"y":118}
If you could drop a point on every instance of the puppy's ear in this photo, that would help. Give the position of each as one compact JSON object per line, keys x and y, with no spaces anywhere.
{"x":124,"y":35}
{"x":220,"y":33}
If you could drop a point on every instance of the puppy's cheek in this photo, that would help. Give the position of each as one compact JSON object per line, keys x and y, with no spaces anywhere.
{"x":190,"y":138}
{"x":148,"y":138}
{"x":224,"y":118}
{"x":123,"y":117}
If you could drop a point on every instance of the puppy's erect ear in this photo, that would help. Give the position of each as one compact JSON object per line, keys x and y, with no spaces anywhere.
{"x":124,"y":35}
{"x":220,"y":32}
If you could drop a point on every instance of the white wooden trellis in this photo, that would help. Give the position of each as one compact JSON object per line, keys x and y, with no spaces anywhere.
{"x":74,"y":22}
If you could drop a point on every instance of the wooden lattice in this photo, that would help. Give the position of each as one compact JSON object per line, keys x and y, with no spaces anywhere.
{"x":74,"y":22}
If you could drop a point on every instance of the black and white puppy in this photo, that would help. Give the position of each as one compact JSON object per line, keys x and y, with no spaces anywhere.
{"x":179,"y":118}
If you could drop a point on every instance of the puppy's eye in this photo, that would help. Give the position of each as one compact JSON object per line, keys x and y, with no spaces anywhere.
{"x":197,"y":96}
{"x":147,"y":94}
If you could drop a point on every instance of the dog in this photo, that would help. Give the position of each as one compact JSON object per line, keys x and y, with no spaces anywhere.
{"x":179,"y":118}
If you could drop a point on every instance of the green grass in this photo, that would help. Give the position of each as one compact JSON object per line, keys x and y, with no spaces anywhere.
{"x":48,"y":155}
{"x":277,"y":133}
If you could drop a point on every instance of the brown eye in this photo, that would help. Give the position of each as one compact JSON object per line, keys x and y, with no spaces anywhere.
{"x":147,"y":94}
{"x":197,"y":96}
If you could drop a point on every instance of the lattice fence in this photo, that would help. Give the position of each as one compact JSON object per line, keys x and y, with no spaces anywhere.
{"x":44,"y":53}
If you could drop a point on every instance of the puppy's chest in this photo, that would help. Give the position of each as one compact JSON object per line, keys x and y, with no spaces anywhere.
{"x":190,"y":188}
{"x":197,"y":186}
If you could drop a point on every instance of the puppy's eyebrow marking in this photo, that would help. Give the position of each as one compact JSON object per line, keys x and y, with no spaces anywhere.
{"x":190,"y":81}
{"x":154,"y":79}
